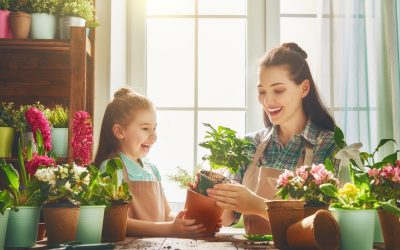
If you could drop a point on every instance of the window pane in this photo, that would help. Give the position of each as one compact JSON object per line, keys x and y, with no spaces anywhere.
{"x":173,"y":148}
{"x":170,"y":62}
{"x":222,"y":62}
{"x":222,"y":7}
{"x":170,"y":7}
{"x":298,"y":6}
{"x":235,"y":120}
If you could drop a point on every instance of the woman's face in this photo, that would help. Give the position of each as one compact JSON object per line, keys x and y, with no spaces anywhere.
{"x":139,"y":135}
{"x":280,"y":96}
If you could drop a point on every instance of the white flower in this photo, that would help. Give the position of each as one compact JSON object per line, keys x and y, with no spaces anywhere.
{"x":78,"y":171}
{"x":68,"y":185}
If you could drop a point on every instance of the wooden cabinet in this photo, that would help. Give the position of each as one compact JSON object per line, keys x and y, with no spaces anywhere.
{"x":50,"y":71}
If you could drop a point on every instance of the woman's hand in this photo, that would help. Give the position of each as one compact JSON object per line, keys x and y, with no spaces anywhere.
{"x":184,"y":227}
{"x":238,"y":198}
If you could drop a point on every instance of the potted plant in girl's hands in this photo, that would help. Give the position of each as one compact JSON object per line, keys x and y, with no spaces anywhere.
{"x":117,"y":197}
{"x":5,"y":29}
{"x":92,"y":205}
{"x":58,"y":118}
{"x":228,"y":152}
{"x":43,"y":19}
{"x":75,"y":13}
{"x":6,"y":203}
{"x":304,"y":183}
{"x":6,"y":129}
{"x":20,"y":19}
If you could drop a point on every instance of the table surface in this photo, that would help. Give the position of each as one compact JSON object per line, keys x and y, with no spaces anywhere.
{"x":228,"y":238}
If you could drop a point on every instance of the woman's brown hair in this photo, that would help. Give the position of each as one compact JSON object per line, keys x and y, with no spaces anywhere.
{"x":295,"y":57}
{"x":120,"y":110}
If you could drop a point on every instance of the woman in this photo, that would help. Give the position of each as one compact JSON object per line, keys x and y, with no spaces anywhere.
{"x":299,"y":131}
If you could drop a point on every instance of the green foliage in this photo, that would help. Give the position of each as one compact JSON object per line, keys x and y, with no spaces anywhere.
{"x":91,"y":194}
{"x":114,"y":192}
{"x":21,"y":5}
{"x":44,"y":6}
{"x":6,"y":201}
{"x":183,"y":177}
{"x":78,"y":8}
{"x":4,"y":4}
{"x":58,"y":117}
{"x":227,"y":150}
{"x":20,"y":123}
{"x":6,"y":114}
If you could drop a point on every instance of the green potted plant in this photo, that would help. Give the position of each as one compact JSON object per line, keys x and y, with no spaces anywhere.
{"x":22,"y":127}
{"x":60,"y":186}
{"x":5,"y":205}
{"x":6,"y":129}
{"x":20,"y":19}
{"x":357,"y":201}
{"x":58,"y":118}
{"x":227,"y":152}
{"x":44,"y":21}
{"x":303,"y":184}
{"x":117,"y":197}
{"x":92,"y":206}
{"x":5,"y":29}
{"x":75,"y":13}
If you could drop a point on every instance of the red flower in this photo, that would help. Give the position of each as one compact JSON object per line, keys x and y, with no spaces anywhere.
{"x":82,"y":139}
{"x":37,"y":120}
{"x":39,"y":161}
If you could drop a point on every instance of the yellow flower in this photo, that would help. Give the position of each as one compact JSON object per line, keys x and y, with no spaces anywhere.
{"x":349,"y":190}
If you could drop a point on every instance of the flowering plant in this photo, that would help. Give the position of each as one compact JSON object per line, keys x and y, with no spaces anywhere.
{"x":37,"y":121}
{"x":91,"y":194}
{"x":82,"y":139}
{"x":19,"y":118}
{"x":61,"y":184}
{"x":305,"y":182}
{"x":6,"y":114}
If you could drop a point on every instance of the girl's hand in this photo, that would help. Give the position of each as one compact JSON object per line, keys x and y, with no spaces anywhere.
{"x":184,"y":227}
{"x":238,"y":198}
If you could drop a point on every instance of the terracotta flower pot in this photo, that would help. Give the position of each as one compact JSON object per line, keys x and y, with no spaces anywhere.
{"x":114,"y":224}
{"x":310,"y":210}
{"x":61,"y":224}
{"x":204,"y":210}
{"x":318,"y":231}
{"x":283,"y":214}
{"x":390,"y":224}
{"x":208,"y":179}
{"x":20,"y":23}
{"x":41,"y":231}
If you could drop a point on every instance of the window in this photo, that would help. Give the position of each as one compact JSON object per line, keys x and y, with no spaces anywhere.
{"x":196,"y":70}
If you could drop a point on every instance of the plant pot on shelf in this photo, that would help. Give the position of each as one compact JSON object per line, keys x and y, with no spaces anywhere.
{"x":59,"y":141}
{"x":3,"y":227}
{"x":66,"y":22}
{"x":26,"y":140}
{"x":356,"y":228}
{"x":90,"y":224}
{"x":310,"y":209}
{"x":43,"y":26}
{"x":22,"y":227}
{"x":282,"y":214}
{"x":20,"y":23}
{"x":41,"y":231}
{"x":5,"y":29}
{"x":319,"y":231}
{"x":390,"y":224}
{"x":6,"y":142}
{"x":208,"y":179}
{"x":61,"y":224}
{"x":204,"y":210}
{"x":114,"y":224}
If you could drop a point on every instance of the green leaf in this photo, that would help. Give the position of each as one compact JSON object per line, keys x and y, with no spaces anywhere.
{"x":390,"y":206}
{"x":338,"y":137}
{"x":382,"y":143}
{"x":329,"y":190}
{"x":391,"y":158}
{"x":329,"y":165}
{"x":6,"y":201}
{"x":10,"y":176}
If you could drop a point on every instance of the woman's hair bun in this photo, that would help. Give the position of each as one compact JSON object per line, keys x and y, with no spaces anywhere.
{"x":123,"y":92}
{"x":295,"y":47}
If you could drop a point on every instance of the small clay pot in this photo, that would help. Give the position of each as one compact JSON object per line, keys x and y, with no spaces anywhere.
{"x":61,"y":224}
{"x":20,"y":23}
{"x":208,"y":179}
{"x":204,"y":210}
{"x":310,"y":210}
{"x":282,"y":214}
{"x":114,"y":224}
{"x":41,"y":231}
{"x":316,"y":232}
{"x":390,"y":224}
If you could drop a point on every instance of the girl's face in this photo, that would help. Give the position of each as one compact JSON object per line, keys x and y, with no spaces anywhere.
{"x":139,"y":135}
{"x":280,"y":96}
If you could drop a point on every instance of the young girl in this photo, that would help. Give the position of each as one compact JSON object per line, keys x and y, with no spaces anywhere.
{"x":128,"y":131}
{"x":299,"y":131}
